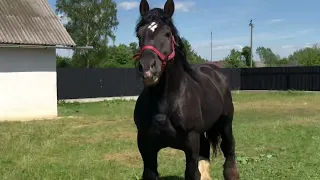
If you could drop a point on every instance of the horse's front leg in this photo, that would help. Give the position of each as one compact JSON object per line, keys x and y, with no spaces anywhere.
{"x":149,"y":154}
{"x":192,"y":156}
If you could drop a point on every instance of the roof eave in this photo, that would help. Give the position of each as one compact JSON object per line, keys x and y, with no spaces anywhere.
{"x":41,"y":46}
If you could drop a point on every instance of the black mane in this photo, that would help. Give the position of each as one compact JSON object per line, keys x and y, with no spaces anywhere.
{"x":158,"y":15}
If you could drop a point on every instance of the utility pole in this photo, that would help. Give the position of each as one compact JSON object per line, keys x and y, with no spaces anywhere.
{"x":211,"y":46}
{"x":251,"y":57}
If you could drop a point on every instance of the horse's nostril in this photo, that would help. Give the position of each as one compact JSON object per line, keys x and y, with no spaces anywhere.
{"x":153,"y":65}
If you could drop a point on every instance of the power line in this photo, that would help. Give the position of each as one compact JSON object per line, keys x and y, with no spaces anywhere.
{"x":251,"y":57}
{"x":211,"y":46}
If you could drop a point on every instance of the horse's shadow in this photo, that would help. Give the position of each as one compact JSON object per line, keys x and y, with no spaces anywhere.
{"x":171,"y":178}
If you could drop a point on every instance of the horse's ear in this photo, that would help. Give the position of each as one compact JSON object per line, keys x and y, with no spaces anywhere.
{"x":144,"y":7}
{"x":169,"y":8}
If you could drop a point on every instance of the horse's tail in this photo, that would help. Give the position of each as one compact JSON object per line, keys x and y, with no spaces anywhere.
{"x":214,"y":136}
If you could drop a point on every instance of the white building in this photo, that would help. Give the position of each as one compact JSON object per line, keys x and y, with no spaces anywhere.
{"x":29,"y":34}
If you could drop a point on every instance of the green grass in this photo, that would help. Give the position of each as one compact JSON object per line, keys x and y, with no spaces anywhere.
{"x":277,"y":137}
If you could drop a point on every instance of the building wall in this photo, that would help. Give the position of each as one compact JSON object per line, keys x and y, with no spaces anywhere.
{"x":27,"y":84}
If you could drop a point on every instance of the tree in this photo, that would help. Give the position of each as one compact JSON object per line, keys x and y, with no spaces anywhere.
{"x":63,"y":62}
{"x":234,"y":60}
{"x":192,"y":56}
{"x":309,"y":56}
{"x":91,"y":23}
{"x":118,"y":56}
{"x":246,"y":53}
{"x":123,"y":55}
{"x":134,"y":47}
{"x":267,"y":56}
{"x":283,"y":61}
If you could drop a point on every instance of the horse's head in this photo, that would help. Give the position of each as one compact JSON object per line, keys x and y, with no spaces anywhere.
{"x":156,"y":41}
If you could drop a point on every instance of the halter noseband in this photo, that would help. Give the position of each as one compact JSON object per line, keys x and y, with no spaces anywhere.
{"x":163,"y":58}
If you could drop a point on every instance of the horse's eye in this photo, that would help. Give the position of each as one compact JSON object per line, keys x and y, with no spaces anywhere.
{"x":168,"y":35}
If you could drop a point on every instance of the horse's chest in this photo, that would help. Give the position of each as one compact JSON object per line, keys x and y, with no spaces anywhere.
{"x":186,"y":110}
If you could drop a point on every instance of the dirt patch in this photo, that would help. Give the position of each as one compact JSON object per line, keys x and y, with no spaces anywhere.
{"x":98,"y":137}
{"x":84,"y":124}
{"x":271,"y":105}
{"x":130,"y":159}
{"x":69,"y":117}
{"x":133,"y":159}
{"x":291,"y":121}
{"x":127,"y":135}
{"x":303,"y":121}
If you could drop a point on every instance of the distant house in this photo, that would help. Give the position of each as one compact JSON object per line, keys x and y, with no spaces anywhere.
{"x":290,"y":64}
{"x":221,"y":64}
{"x":259,"y":64}
{"x":29,"y":34}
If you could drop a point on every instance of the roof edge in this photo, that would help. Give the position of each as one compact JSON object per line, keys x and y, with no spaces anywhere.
{"x":43,"y":46}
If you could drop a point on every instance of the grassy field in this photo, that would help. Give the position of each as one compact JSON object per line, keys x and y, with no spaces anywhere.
{"x":277,"y":137}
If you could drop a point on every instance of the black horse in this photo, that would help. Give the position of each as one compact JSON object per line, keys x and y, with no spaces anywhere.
{"x":181,"y":107}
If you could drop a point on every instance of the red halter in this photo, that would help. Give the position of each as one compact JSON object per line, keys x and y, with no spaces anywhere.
{"x":162,"y":57}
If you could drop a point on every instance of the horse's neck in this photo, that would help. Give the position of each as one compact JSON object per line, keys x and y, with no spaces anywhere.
{"x":170,"y":81}
{"x":174,"y":77}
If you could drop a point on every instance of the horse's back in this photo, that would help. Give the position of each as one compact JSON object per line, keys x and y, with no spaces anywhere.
{"x":215,"y":75}
{"x":217,"y":95}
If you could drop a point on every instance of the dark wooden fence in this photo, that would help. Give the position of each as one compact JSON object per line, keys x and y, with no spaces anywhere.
{"x":74,"y":83}
{"x":281,"y":78}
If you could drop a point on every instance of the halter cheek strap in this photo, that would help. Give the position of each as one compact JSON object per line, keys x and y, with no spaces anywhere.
{"x":163,"y":58}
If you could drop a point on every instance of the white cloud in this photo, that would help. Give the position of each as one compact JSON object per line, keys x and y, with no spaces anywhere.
{"x":184,"y":6}
{"x":287,"y":46}
{"x":309,"y":45}
{"x":227,"y":47}
{"x":305,"y":31}
{"x":286,"y":50}
{"x":299,"y":46}
{"x":276,"y":20}
{"x":128,"y":5}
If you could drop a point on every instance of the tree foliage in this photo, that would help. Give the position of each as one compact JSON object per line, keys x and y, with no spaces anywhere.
{"x":234,"y":59}
{"x":239,"y":59}
{"x":246,"y":53}
{"x":267,"y":56}
{"x":90,"y":23}
{"x":309,"y":56}
{"x":117,"y":56}
{"x":63,"y":62}
{"x":192,"y":56}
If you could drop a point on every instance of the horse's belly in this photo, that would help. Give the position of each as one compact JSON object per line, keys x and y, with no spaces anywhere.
{"x":164,"y":140}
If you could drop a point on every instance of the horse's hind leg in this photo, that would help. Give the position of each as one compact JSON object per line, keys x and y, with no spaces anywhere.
{"x":204,"y":161}
{"x":230,"y":170}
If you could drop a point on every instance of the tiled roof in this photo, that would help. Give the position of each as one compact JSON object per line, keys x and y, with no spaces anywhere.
{"x":31,"y":22}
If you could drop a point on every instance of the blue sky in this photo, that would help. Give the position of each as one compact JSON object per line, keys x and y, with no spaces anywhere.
{"x":284,"y":26}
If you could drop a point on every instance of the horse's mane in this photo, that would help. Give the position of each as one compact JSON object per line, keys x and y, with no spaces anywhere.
{"x":158,"y":15}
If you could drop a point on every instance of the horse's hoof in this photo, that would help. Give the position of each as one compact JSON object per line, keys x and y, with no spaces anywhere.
{"x":231,"y":174}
